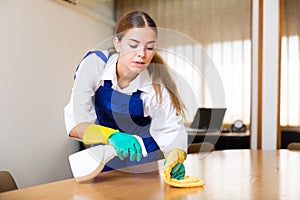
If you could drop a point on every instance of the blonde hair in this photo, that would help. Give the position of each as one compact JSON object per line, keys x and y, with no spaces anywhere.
{"x":157,"y":67}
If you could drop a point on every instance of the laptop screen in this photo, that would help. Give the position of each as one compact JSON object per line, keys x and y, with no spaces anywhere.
{"x":210,"y":119}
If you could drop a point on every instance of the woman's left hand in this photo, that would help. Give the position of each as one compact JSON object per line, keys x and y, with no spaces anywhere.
{"x":174,"y":167}
{"x":178,"y":171}
{"x":174,"y":171}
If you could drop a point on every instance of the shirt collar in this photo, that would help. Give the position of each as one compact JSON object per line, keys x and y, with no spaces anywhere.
{"x":142,"y":82}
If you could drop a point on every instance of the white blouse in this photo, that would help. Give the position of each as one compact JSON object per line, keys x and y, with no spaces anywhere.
{"x":166,"y":127}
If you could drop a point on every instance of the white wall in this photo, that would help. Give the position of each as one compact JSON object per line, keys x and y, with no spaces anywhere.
{"x":270,"y":73}
{"x":41,"y":42}
{"x":254,"y":75}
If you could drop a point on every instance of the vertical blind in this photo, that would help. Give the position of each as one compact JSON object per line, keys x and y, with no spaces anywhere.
{"x":290,"y":64}
{"x":223,"y":29}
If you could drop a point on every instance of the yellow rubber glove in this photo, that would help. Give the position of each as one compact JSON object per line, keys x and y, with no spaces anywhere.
{"x":96,"y":134}
{"x":124,"y":144}
{"x":174,"y":157}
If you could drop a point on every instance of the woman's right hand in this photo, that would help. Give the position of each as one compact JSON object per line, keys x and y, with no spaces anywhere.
{"x":126,"y":145}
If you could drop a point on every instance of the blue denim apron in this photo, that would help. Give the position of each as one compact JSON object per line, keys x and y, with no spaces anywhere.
{"x":125,"y":113}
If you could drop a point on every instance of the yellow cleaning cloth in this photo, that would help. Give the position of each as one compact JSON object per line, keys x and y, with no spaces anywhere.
{"x":188,"y":181}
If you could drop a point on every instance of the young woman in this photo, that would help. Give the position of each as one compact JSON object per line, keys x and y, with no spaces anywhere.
{"x":129,"y":92}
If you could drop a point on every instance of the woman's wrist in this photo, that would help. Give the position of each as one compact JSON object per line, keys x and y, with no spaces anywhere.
{"x":79,"y":130}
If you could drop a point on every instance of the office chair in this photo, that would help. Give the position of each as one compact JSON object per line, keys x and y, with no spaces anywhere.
{"x":294,"y":146}
{"x":7,"y":182}
{"x":201,"y":147}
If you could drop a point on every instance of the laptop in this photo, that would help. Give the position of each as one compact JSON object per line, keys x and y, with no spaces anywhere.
{"x":207,"y":120}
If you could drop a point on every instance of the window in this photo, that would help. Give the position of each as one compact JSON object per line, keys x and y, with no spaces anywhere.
{"x":290,"y":65}
{"x":233,"y":61}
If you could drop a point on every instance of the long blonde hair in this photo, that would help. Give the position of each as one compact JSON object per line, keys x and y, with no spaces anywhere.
{"x":157,"y":68}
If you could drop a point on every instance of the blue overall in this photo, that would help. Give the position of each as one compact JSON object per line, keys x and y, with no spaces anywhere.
{"x":124,"y":113}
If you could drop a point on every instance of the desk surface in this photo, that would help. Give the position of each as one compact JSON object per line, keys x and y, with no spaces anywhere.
{"x":228,"y":174}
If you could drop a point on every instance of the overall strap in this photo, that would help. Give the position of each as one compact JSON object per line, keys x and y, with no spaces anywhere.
{"x":107,"y":83}
{"x":100,"y":54}
{"x":137,"y":94}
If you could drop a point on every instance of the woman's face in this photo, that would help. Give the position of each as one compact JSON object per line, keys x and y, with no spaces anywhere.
{"x":136,"y":49}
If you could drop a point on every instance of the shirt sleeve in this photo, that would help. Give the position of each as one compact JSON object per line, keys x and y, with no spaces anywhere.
{"x":81,"y":105}
{"x":166,"y":128}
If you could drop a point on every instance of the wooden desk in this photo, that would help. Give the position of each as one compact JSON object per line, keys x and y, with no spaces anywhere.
{"x":228,"y":174}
